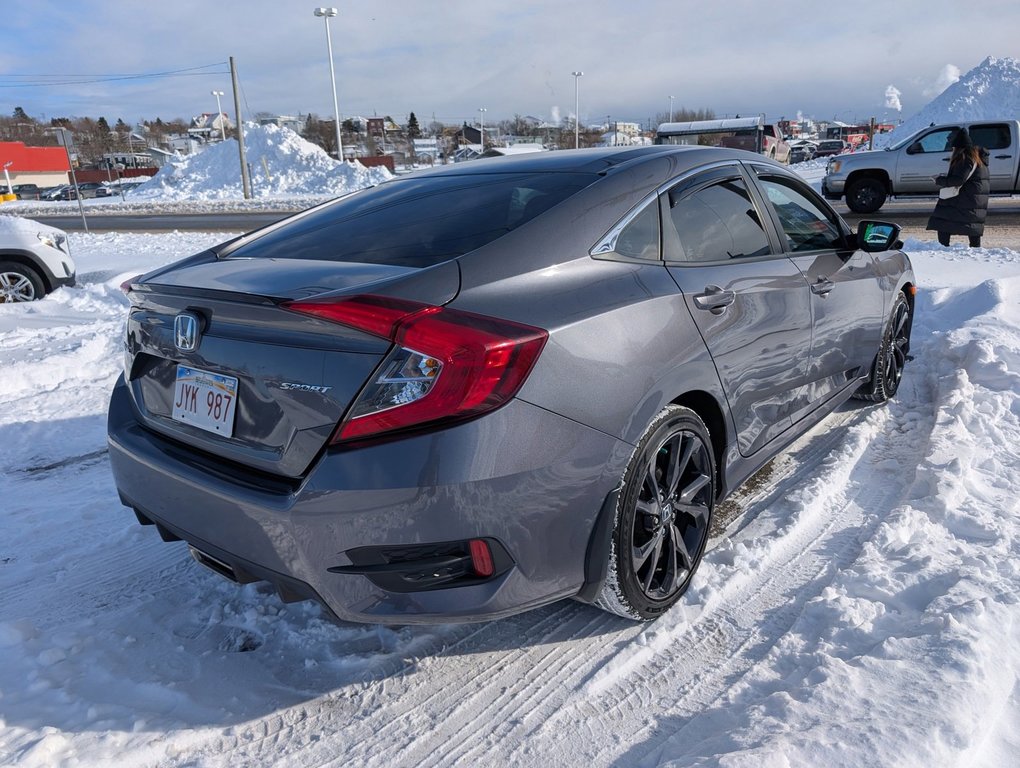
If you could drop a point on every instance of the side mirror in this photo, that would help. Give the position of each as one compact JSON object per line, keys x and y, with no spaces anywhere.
{"x":915,"y":148}
{"x":874,"y":236}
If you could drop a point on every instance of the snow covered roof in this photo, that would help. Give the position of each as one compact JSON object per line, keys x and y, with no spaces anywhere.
{"x":710,"y":126}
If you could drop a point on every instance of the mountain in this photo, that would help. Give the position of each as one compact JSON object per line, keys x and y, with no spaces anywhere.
{"x":989,"y":91}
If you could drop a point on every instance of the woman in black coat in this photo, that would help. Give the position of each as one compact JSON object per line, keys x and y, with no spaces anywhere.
{"x":963,"y":214}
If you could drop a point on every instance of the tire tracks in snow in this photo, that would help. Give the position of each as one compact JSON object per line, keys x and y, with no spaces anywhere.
{"x":571,"y":669}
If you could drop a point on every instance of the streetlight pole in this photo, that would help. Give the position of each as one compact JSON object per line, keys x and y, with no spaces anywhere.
{"x":577,"y":128}
{"x":219,"y":114}
{"x":671,"y":108}
{"x":326,"y":14}
{"x":481,"y":127}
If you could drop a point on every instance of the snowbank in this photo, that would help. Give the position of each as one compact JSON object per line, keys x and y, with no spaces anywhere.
{"x":282,"y":164}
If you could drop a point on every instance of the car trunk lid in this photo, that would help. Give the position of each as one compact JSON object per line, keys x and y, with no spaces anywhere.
{"x":284,"y":379}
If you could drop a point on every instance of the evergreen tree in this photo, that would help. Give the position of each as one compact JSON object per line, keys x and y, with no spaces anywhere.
{"x":413,"y":129}
{"x":102,"y":126}
{"x":19,"y":114}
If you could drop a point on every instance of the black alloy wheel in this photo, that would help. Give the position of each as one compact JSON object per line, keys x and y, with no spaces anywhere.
{"x":887,"y":370}
{"x":865,"y":196}
{"x":663,"y":517}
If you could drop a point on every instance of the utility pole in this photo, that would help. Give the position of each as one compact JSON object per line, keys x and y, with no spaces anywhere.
{"x":245,"y":180}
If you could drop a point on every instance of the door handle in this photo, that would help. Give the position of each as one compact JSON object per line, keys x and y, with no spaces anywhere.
{"x":1003,"y":157}
{"x":714,"y":299}
{"x":822,"y":287}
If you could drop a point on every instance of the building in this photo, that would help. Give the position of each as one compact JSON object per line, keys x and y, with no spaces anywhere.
{"x":44,"y":166}
{"x":426,"y":149}
{"x":210,"y":126}
{"x":294,"y":123}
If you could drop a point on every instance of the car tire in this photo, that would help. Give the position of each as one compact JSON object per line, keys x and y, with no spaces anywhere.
{"x":662,"y":517}
{"x":865,"y":195}
{"x":887,"y":369}
{"x":19,"y":283}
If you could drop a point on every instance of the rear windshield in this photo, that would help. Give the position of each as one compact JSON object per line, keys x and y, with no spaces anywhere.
{"x":417,"y":222}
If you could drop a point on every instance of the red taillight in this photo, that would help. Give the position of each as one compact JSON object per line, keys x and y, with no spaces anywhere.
{"x":126,"y":285}
{"x":446,"y":364}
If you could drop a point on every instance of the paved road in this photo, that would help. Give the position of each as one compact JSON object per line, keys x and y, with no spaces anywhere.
{"x":1003,"y":228}
{"x":240,"y":221}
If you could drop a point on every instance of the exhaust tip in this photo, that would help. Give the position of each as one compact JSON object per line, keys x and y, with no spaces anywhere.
{"x":214,"y":564}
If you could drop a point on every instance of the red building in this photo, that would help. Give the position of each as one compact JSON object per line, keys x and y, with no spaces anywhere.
{"x":45,"y":166}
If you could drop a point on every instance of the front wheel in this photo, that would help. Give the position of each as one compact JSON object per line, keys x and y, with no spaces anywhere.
{"x":865,"y":195}
{"x":887,"y":370}
{"x":662,"y":517}
{"x":19,"y":283}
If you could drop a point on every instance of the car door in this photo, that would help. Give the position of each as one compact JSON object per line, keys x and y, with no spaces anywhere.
{"x":997,"y":139}
{"x":750,"y":303}
{"x":924,"y":159}
{"x":847,"y":301}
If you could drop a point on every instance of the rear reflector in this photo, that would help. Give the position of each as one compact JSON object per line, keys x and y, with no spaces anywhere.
{"x":481,"y":558}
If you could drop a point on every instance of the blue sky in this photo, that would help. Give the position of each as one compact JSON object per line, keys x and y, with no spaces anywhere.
{"x":449,"y":58}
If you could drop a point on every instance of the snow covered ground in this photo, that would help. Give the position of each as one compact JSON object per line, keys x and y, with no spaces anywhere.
{"x":860,"y":604}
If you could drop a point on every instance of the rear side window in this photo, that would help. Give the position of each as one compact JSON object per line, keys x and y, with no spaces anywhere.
{"x":994,"y":136}
{"x":417,"y":222}
{"x":718,"y":222}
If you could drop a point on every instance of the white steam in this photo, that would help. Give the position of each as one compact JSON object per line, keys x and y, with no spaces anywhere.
{"x":892,"y":98}
{"x":949,"y":75}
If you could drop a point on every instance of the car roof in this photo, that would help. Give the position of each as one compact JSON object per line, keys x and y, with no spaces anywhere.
{"x":597,"y":160}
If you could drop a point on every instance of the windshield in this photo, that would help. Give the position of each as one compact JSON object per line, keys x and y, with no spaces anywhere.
{"x":417,"y":222}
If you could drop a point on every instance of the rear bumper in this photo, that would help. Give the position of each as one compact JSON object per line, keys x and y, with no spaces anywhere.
{"x":523,"y":477}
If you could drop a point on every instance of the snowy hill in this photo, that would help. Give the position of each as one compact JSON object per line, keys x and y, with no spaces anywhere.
{"x":282,"y":165}
{"x":989,"y":91}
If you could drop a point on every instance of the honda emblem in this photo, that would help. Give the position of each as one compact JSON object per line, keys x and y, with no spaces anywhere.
{"x":186,"y":332}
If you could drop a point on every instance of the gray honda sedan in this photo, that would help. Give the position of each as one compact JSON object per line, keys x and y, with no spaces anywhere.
{"x":472,"y":391}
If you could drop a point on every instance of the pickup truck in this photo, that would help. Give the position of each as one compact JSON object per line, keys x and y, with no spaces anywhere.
{"x":909,"y":167}
{"x":773,"y":144}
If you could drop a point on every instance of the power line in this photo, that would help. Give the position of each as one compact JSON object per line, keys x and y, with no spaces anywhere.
{"x":47,"y":81}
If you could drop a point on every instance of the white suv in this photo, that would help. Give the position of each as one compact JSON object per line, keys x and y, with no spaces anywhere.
{"x":34,"y":259}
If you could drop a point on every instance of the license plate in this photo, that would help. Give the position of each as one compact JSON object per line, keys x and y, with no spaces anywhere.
{"x":205,"y":400}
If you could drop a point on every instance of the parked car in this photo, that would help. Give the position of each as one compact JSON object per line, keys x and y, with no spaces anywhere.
{"x":26,"y":191}
{"x":802,"y":151}
{"x":34,"y":259}
{"x":63,"y":192}
{"x":910,"y":166}
{"x":829,"y":147}
{"x":478,"y":389}
{"x":126,"y":187}
{"x":91,"y":189}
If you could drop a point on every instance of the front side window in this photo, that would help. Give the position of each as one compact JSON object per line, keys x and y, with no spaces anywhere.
{"x":717,"y":222}
{"x":938,"y":141}
{"x":806,"y":227}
